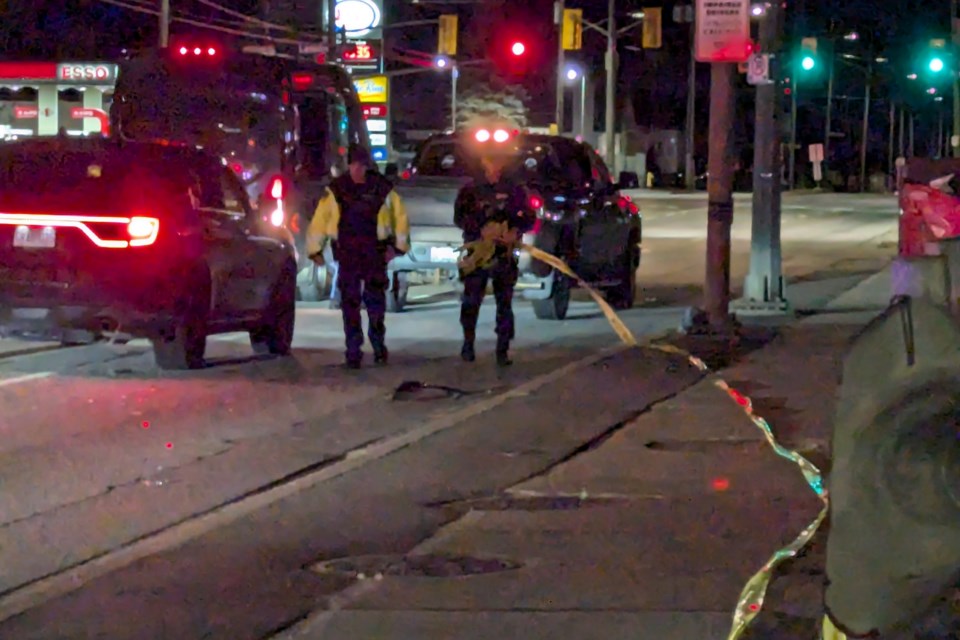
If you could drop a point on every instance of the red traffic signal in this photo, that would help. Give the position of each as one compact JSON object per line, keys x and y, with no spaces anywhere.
{"x":197,"y":51}
{"x":518,"y":48}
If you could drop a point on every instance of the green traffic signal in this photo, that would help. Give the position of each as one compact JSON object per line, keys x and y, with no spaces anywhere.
{"x":936,"y":65}
{"x":808,"y":63}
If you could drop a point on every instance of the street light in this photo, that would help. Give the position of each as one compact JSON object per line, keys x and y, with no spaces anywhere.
{"x":442,"y":62}
{"x":573,"y":73}
{"x":758,"y":10}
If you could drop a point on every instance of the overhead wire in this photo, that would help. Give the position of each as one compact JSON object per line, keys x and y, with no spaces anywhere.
{"x":204,"y":25}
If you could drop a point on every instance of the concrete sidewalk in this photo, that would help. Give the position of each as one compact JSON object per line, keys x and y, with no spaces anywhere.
{"x":651,"y":533}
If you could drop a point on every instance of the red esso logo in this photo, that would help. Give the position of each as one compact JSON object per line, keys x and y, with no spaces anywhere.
{"x":84,"y":73}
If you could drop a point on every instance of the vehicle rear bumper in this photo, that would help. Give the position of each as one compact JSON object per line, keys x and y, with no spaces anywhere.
{"x":135,"y":308}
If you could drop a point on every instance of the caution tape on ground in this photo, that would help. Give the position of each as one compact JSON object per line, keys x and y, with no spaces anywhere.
{"x":752,"y":596}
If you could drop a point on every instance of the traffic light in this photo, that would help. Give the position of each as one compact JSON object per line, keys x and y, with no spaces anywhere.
{"x":652,"y":28}
{"x":447,"y":41}
{"x":518,"y":48}
{"x":937,"y":63}
{"x":894,"y":542}
{"x":572,"y":31}
{"x":808,"y":54}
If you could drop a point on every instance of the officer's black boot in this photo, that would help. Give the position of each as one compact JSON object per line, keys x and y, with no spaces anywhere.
{"x":467,"y":352}
{"x":503,"y":353}
{"x":380,"y":355}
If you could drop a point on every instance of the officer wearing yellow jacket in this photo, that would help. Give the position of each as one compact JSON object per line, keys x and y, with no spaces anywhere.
{"x":365,"y":220}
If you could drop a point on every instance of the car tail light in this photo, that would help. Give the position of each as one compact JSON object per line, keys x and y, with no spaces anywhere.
{"x":277,"y":217}
{"x":405,"y":175}
{"x":536,"y":202}
{"x":483,"y":135}
{"x":500,"y":135}
{"x":626,"y":203}
{"x":143,"y":231}
{"x":276,"y":189}
{"x":302,"y":81}
{"x":140,"y":231}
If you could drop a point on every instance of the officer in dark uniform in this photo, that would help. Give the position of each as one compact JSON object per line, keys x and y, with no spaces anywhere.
{"x":493,"y":198}
{"x":365,"y":220}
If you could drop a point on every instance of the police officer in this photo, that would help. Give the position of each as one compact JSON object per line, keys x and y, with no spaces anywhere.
{"x":480,"y":207}
{"x":365,"y":220}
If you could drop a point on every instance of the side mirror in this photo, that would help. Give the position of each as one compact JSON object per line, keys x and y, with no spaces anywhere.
{"x":629,"y":180}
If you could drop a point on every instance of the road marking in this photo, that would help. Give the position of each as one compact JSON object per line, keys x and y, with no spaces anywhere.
{"x":6,"y":382}
{"x":63,"y":582}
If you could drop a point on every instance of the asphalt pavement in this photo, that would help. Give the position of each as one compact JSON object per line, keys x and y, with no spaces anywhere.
{"x":147,"y":504}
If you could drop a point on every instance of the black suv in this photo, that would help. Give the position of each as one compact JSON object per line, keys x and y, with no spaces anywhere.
{"x":147,"y":240}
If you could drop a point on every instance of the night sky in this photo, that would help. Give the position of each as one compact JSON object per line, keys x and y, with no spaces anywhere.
{"x":654,"y":81}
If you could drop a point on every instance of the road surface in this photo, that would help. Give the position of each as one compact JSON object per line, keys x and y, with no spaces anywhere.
{"x":146,"y":504}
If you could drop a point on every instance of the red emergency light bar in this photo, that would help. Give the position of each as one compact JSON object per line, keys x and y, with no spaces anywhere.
{"x":302,"y":81}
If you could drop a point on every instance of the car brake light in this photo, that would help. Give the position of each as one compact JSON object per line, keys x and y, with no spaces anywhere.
{"x":302,"y":81}
{"x":277,"y":217}
{"x":405,"y":175}
{"x":536,"y":202}
{"x":500,"y":135}
{"x":276,"y":189}
{"x":143,"y":231}
{"x":483,"y":135}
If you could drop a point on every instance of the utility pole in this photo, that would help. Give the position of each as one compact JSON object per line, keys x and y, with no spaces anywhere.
{"x":558,"y":8}
{"x":164,"y":24}
{"x":912,"y":148}
{"x":690,"y":165}
{"x":720,"y":196}
{"x":903,"y":147}
{"x":763,"y":288}
{"x":611,"y":84}
{"x":865,"y":141}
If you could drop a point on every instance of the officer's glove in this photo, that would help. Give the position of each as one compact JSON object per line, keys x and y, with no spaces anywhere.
{"x":492,"y":231}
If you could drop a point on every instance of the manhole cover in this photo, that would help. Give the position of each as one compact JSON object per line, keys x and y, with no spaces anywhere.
{"x":529,"y":503}
{"x":419,"y":566}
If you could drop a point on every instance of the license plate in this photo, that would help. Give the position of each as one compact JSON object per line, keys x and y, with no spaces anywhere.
{"x":443,"y":254}
{"x":35,"y":237}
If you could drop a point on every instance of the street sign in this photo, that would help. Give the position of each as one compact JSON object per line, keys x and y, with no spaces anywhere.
{"x":758,"y":69}
{"x":447,"y":35}
{"x":723,"y":31}
{"x":816,"y":153}
{"x":652,"y":28}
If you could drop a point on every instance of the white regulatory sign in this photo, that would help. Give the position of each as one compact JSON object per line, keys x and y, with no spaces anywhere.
{"x":723,"y":31}
{"x":758,"y":69}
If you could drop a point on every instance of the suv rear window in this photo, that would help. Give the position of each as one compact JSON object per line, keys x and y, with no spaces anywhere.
{"x":85,"y":179}
{"x":560,"y":162}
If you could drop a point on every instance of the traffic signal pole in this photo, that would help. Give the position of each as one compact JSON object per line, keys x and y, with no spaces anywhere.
{"x":763,"y":289}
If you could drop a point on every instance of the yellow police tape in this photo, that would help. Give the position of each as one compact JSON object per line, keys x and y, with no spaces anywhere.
{"x":481,"y":252}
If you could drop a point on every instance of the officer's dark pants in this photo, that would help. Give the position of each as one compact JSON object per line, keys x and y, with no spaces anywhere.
{"x":504,"y":274}
{"x":363,"y":282}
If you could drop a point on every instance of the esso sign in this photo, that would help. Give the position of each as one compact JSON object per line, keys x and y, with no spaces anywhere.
{"x":98,"y":73}
{"x":357,"y":17}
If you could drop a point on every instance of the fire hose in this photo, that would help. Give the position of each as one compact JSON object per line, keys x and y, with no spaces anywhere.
{"x":482,"y":253}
